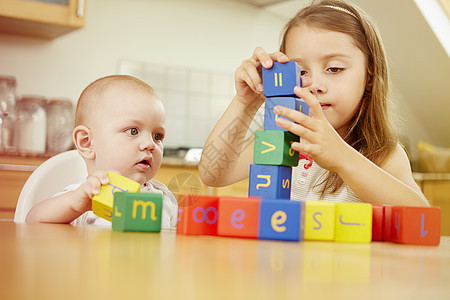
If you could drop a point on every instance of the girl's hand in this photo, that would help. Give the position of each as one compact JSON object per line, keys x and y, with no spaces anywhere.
{"x":324,"y":144}
{"x":88,"y":190}
{"x":248,"y":79}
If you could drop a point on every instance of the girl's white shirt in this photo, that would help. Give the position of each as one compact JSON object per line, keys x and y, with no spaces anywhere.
{"x":302,"y":187}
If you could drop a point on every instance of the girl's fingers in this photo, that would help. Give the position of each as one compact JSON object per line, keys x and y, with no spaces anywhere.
{"x":261,"y":55}
{"x":267,"y":59}
{"x":315,"y":109}
{"x":295,"y":116}
{"x":243,"y":79}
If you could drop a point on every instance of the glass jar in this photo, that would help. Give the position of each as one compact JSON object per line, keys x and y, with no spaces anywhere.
{"x":32,"y":124}
{"x":60,"y":121}
{"x":7,"y":113}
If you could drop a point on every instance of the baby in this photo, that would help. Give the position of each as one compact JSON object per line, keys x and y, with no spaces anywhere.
{"x":120,"y":127}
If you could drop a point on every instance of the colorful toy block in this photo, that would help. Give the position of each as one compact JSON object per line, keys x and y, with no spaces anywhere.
{"x":137,"y":212}
{"x":272,"y":182}
{"x":319,"y":220}
{"x":239,"y":217}
{"x":102,"y":203}
{"x":273,"y":147}
{"x":387,"y":212}
{"x":199,"y":218}
{"x":353,"y":222}
{"x":416,"y":225}
{"x":270,"y":118}
{"x":282,"y":220}
{"x":281,"y":79}
{"x":377,"y":222}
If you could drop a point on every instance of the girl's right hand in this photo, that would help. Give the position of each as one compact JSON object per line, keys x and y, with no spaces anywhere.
{"x":248,"y":78}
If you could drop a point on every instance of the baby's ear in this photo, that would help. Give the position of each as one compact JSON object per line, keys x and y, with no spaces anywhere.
{"x":82,"y":139}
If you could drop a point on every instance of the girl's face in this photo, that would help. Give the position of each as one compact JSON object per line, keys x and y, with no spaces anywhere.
{"x":337,"y":68}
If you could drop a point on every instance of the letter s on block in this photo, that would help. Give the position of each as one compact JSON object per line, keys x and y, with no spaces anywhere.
{"x":237,"y":216}
{"x":279,"y":218}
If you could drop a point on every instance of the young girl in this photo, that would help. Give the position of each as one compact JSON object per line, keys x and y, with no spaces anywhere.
{"x":354,"y":148}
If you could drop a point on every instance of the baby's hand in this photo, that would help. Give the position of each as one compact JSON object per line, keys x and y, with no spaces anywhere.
{"x":247,"y":77}
{"x":88,"y":190}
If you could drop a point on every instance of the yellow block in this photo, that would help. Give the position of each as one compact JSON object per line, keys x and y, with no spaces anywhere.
{"x":319,"y":220}
{"x":353,"y":222}
{"x":102,"y":203}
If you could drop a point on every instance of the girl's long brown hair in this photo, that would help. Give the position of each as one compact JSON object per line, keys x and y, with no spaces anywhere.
{"x":371,"y":132}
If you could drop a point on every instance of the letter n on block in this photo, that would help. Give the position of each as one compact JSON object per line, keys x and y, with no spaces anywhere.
{"x":102,"y":203}
{"x":281,"y":79}
{"x":239,"y":217}
{"x":272,"y":182}
{"x":282,"y":220}
{"x":270,"y":118}
{"x":319,"y":220}
{"x":273,"y":147}
{"x":200,"y":218}
{"x":353,"y":222}
{"x":416,"y":225}
{"x":137,"y":212}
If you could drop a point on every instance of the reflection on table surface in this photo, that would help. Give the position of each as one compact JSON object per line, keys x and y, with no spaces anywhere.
{"x":44,"y":261}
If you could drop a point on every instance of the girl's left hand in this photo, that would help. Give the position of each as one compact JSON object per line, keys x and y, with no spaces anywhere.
{"x":324,"y":144}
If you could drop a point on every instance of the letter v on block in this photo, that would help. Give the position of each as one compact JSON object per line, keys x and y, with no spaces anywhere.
{"x":271,"y":147}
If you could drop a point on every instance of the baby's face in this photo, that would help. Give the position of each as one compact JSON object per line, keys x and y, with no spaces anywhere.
{"x":128,"y":132}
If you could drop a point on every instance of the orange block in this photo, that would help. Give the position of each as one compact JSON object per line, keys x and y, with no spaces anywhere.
{"x":416,"y":225}
{"x":200,"y":217}
{"x":239,"y":217}
{"x":387,"y":211}
{"x":377,"y":222}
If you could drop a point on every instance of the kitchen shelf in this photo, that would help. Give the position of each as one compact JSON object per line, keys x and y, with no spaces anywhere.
{"x":41,"y":18}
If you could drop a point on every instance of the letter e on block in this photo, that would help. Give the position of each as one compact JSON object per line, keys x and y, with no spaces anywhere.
{"x":239,"y":216}
{"x":282,"y":220}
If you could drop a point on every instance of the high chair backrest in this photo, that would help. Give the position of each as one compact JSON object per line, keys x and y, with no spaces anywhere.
{"x":49,"y":178}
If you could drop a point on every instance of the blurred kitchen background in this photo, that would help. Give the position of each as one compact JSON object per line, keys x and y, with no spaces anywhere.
{"x":189,"y":49}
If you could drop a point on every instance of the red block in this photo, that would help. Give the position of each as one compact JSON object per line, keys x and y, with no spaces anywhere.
{"x":377,"y":222}
{"x":387,"y":211}
{"x":200,"y":218}
{"x":416,"y":225}
{"x":239,"y":217}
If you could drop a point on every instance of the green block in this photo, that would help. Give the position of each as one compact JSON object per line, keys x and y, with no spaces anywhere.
{"x":137,"y":212}
{"x":273,"y":147}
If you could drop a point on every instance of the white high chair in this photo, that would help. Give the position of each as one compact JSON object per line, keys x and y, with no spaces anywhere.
{"x":49,"y":178}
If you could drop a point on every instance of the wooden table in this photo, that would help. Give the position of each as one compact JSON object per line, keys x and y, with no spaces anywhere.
{"x":43,"y":261}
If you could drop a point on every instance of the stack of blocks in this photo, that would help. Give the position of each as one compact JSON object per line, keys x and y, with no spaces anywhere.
{"x":268,"y":212}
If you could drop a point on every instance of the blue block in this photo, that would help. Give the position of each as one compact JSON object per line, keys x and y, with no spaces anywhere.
{"x":289,"y":102}
{"x":281,"y":79}
{"x":271,"y":182}
{"x":282,"y":220}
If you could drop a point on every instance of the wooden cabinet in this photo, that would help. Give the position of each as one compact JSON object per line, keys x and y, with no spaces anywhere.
{"x":436,"y":188}
{"x":185,"y":180}
{"x":14,"y":172}
{"x":41,"y":18}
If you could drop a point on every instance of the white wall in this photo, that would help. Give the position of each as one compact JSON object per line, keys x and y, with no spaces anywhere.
{"x":201,"y":34}
{"x":207,"y":34}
